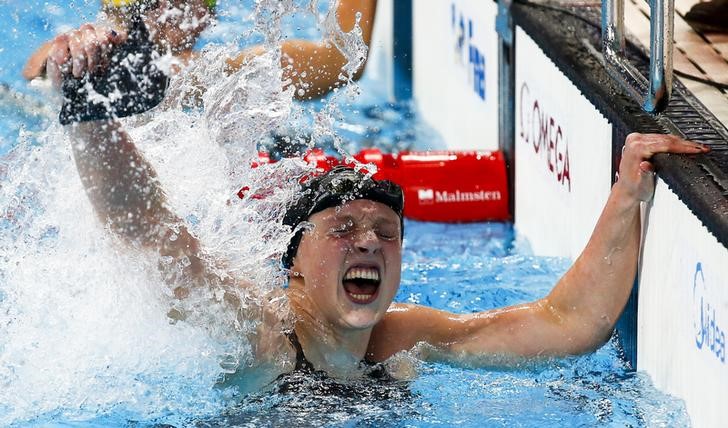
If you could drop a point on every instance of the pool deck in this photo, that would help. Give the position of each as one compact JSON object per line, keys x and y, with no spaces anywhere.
{"x":704,"y":55}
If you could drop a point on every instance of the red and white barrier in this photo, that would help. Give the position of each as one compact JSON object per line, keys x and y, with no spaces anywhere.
{"x":442,"y":186}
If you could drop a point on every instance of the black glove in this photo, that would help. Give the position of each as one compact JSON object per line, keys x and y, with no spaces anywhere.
{"x":132,"y":84}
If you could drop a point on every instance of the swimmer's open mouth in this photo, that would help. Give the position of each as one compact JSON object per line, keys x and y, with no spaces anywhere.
{"x":362,"y":284}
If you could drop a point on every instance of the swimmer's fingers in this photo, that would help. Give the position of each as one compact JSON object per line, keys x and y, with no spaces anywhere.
{"x":641,"y":147}
{"x":647,"y":145}
{"x":91,"y":46}
{"x":57,"y":62}
{"x":59,"y":52}
{"x":105,"y":46}
{"x":78,"y":53}
{"x":646,"y":187}
{"x":108,"y":39}
{"x":85,"y":50}
{"x":37,"y":63}
{"x":53,"y":72}
{"x":636,"y":172}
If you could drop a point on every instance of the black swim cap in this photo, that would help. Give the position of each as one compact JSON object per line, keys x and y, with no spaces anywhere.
{"x":334,"y":188}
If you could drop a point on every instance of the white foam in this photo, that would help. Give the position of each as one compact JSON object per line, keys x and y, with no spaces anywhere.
{"x":83,"y":324}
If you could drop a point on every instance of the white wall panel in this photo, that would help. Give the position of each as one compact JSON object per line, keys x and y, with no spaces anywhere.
{"x":683,"y":310}
{"x":455,"y":70}
{"x":563,"y":156}
{"x":380,"y":66}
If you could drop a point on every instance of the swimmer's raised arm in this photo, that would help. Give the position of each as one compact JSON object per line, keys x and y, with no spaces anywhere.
{"x":579,"y":314}
{"x":314,"y":67}
{"x":125,"y":193}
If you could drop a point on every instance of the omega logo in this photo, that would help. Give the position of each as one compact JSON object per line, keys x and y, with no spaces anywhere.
{"x":546,"y":136}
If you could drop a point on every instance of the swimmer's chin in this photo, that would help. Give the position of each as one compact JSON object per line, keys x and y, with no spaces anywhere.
{"x":361,"y":318}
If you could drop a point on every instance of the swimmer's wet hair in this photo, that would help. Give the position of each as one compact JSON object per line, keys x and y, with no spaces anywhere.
{"x":332,"y":189}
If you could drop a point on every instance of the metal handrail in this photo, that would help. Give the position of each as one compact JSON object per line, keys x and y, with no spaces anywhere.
{"x":655,"y":93}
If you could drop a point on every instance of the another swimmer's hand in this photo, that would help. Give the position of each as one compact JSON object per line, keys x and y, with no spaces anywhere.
{"x":81,"y":51}
{"x":636,"y":173}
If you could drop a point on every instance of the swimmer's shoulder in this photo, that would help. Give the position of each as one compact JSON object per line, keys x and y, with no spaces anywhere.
{"x":270,"y":341}
{"x":403,"y":327}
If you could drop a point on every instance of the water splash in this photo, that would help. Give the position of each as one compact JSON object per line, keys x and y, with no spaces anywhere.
{"x":82,"y":316}
{"x":79,"y":313}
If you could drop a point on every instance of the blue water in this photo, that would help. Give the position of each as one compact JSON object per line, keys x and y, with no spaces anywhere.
{"x":460,"y":268}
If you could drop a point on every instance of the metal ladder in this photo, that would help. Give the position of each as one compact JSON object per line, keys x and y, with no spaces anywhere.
{"x":652,"y":92}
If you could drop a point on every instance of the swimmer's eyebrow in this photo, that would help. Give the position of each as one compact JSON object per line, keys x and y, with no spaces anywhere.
{"x":340,"y":217}
{"x":380,"y":220}
{"x":384,"y":221}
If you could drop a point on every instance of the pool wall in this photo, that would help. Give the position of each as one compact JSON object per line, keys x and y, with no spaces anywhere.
{"x":683,"y":309}
{"x":455,"y":70}
{"x":380,"y":64}
{"x":675,"y":330}
{"x":563,"y":154}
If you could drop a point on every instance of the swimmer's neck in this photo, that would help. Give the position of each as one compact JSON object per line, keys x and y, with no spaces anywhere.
{"x":334,"y":349}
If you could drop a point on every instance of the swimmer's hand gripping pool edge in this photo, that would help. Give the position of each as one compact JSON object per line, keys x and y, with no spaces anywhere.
{"x":592,"y":294}
{"x":578,"y":315}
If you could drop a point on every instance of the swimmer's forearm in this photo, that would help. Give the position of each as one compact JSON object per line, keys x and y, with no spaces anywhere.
{"x":314,"y":69}
{"x":592,"y":294}
{"x":576,"y":317}
{"x":124,"y":191}
{"x":120,"y":183}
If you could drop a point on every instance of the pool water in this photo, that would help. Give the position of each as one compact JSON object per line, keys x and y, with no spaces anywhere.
{"x":84,"y":340}
{"x":474,"y":269}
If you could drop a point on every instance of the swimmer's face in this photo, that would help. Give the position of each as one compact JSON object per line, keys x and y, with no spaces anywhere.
{"x":174,"y":25}
{"x":350,"y":264}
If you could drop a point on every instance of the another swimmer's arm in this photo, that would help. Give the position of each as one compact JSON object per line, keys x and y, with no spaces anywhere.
{"x":314,"y":67}
{"x":578,"y":315}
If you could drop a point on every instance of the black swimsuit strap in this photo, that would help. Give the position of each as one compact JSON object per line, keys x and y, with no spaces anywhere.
{"x":302,"y":364}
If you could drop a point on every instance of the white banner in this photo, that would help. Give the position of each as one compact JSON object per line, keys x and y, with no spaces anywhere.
{"x":683,"y":309}
{"x":455,"y":70}
{"x":563,"y":156}
{"x":380,"y":67}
